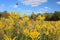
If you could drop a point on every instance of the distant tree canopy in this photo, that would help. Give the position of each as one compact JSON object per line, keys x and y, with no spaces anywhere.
{"x":4,"y":14}
{"x":48,"y":16}
{"x":56,"y":16}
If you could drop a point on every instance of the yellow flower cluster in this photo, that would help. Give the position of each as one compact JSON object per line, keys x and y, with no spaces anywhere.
{"x":34,"y":34}
{"x":8,"y":38}
{"x":14,"y":15}
{"x":27,"y":29}
{"x":26,"y":32}
{"x":40,"y":17}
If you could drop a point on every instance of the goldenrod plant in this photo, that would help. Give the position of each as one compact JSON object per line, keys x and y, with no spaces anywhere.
{"x":16,"y":28}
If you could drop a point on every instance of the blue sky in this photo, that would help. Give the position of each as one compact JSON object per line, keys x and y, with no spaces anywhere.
{"x":27,"y":6}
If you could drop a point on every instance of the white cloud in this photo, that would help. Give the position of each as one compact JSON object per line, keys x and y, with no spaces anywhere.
{"x":33,"y":2}
{"x":14,"y":6}
{"x":45,"y":8}
{"x":58,"y":2}
{"x":41,"y":12}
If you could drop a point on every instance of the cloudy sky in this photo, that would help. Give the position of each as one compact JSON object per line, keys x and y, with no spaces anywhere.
{"x":27,"y":6}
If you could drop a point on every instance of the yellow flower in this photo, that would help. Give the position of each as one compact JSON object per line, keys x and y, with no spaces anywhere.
{"x":9,"y":28}
{"x":40,"y":17}
{"x":14,"y":37}
{"x":8,"y":38}
{"x":29,"y":24}
{"x":26,"y":31}
{"x":21,"y":22}
{"x":47,"y":32}
{"x":25,"y":19}
{"x":1,"y":25}
{"x":38,"y":26}
{"x":34,"y":34}
{"x":14,"y":15}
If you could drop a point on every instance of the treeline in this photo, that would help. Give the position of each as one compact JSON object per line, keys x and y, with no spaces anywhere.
{"x":48,"y":16}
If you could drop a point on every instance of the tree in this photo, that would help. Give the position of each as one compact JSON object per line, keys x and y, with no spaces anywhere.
{"x":56,"y":15}
{"x":5,"y":14}
{"x":33,"y":16}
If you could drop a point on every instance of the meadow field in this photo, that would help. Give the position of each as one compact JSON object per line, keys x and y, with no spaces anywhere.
{"x":16,"y":28}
